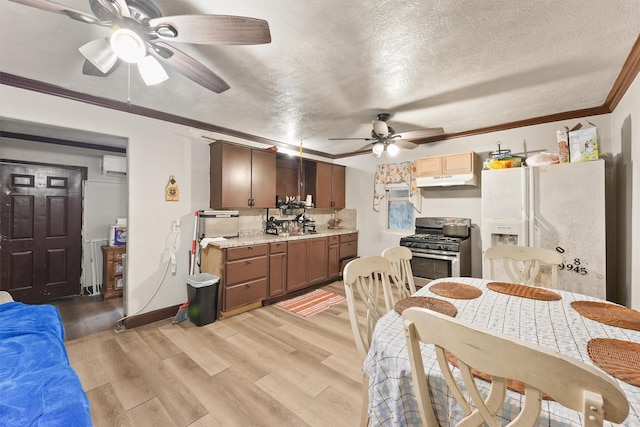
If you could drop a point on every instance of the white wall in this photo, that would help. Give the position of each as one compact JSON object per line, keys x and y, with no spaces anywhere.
{"x":156,"y":150}
{"x":625,"y":138}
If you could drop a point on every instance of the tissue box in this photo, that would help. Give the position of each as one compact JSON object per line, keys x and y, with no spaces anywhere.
{"x":117,"y":235}
{"x":583,"y":143}
{"x":563,"y":145}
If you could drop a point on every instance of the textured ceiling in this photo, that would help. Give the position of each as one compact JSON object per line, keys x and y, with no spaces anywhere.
{"x":333,"y":65}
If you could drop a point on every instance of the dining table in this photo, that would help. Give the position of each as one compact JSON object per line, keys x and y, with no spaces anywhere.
{"x":558,"y":324}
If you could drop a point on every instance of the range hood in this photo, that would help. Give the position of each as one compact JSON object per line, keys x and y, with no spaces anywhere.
{"x":470,"y":179}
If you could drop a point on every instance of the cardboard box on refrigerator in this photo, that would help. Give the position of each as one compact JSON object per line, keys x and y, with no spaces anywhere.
{"x":583,"y":143}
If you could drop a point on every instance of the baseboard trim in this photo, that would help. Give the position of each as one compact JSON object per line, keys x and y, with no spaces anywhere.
{"x":150,"y":317}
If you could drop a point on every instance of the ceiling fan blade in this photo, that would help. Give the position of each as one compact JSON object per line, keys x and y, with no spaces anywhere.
{"x":419,"y":134}
{"x":88,"y":69}
{"x":365,"y":147}
{"x":188,"y":67}
{"x":212,"y":29}
{"x":51,"y":6}
{"x":403,"y":143}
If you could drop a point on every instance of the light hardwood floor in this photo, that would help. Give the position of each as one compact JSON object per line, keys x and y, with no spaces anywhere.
{"x":265,"y":367}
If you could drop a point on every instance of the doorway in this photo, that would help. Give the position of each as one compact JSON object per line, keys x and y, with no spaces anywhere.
{"x":40,"y":225}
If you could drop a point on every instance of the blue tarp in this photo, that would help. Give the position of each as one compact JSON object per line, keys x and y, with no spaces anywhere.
{"x":38,"y":387}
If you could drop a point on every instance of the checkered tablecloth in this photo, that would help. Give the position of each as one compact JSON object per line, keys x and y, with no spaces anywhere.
{"x":551,"y":324}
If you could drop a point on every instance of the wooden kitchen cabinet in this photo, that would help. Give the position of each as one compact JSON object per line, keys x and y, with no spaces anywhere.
{"x":317,"y":267}
{"x":241,"y":177}
{"x":348,"y":249}
{"x":329,"y":184}
{"x":113,"y":271}
{"x":333,"y":257}
{"x":277,"y":269}
{"x":306,"y":263}
{"x":453,"y":164}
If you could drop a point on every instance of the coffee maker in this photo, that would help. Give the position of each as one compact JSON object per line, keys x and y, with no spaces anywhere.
{"x":307,"y":225}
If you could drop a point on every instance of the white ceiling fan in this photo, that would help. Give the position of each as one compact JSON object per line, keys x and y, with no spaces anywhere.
{"x":140,"y":34}
{"x":384,"y":137}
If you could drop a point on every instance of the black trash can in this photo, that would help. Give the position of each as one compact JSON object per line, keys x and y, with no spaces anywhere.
{"x":202,"y":292}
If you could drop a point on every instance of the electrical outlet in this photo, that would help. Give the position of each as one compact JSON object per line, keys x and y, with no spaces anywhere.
{"x":176,"y":226}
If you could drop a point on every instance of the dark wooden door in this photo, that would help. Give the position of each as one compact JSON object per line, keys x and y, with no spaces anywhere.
{"x":40,"y":227}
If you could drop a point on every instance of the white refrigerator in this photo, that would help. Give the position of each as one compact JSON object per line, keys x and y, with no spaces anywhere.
{"x":559,"y":207}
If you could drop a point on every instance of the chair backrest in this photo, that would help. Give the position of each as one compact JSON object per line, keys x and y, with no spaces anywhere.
{"x":368,"y":277}
{"x":400,"y":259}
{"x":523,"y":264}
{"x":568,"y":381}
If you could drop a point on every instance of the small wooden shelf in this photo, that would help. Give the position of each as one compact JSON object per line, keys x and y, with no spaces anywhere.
{"x":113,"y":271}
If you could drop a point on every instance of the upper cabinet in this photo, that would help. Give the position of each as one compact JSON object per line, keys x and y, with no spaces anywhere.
{"x":241,"y":177}
{"x":329,"y":185}
{"x":289,"y":176}
{"x":452,"y":169}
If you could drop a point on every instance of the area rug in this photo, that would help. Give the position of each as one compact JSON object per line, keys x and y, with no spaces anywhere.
{"x":312,"y":303}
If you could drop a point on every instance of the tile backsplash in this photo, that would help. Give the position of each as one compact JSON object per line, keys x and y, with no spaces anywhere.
{"x":253,"y":221}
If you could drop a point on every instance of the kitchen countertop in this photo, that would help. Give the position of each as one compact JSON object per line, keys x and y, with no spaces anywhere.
{"x":258,"y":239}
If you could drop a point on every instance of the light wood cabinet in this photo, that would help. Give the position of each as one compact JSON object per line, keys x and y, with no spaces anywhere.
{"x":113,"y":271}
{"x":241,"y":177}
{"x":453,"y":164}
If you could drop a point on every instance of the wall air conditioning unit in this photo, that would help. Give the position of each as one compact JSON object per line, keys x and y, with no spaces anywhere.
{"x":114,"y":165}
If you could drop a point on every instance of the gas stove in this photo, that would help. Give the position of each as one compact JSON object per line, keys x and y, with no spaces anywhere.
{"x":432,"y":241}
{"x":436,"y":255}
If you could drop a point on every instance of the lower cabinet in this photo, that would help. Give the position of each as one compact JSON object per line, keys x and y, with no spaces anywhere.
{"x":333,"y":257}
{"x":252,"y":274}
{"x":277,"y":269}
{"x":306,"y":263}
{"x":245,"y":277}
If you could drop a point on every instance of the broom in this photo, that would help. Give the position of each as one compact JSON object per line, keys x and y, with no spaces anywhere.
{"x":183,"y":310}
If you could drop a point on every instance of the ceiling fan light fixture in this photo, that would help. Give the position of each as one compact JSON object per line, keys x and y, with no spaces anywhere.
{"x":151,"y":71}
{"x":393,"y":149}
{"x":100,"y":54}
{"x":380,"y":127}
{"x":128,"y":45}
{"x":378,"y":149}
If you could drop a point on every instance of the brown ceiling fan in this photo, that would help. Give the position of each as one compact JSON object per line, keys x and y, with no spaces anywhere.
{"x":384,"y":137}
{"x":140,"y":36}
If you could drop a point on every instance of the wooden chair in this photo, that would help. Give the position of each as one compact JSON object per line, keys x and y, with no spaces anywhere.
{"x":523,"y":264}
{"x":400,"y":259}
{"x":368,"y":277}
{"x":568,"y":381}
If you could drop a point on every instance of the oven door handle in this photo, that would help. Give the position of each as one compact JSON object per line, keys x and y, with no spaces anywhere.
{"x":434,"y":256}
